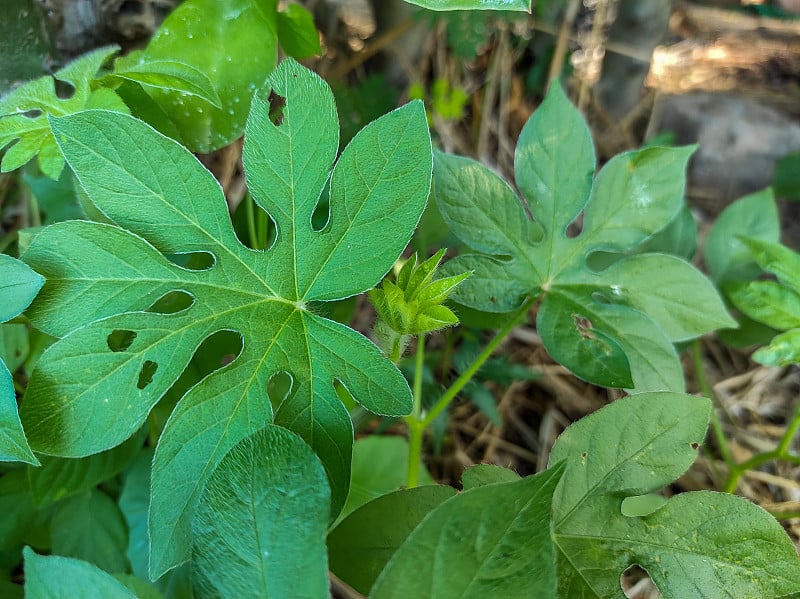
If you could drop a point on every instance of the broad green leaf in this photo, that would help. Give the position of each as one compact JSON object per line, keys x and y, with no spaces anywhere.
{"x":59,"y":478}
{"x":166,"y":75}
{"x":784,"y":349}
{"x":632,"y":198}
{"x":724,"y":252}
{"x":699,"y":544}
{"x":523,"y":5}
{"x":261,"y":522}
{"x":481,"y":475}
{"x":363,"y":543}
{"x":24,"y":112}
{"x":54,"y":577}
{"x":18,"y":286}
{"x":379,"y":467}
{"x":232,"y":42}
{"x":116,"y":359}
{"x":14,"y":345}
{"x":296,"y":32}
{"x":492,"y":541}
{"x":90,"y":527}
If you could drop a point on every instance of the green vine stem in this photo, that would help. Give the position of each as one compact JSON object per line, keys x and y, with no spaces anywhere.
{"x":419,"y":421}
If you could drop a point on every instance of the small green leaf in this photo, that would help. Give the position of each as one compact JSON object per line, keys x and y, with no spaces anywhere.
{"x":54,"y":577}
{"x":261,"y":522}
{"x":481,"y":475}
{"x":166,"y":75}
{"x":90,"y":527}
{"x":634,"y":196}
{"x":296,"y":32}
{"x":24,"y":112}
{"x":778,"y":259}
{"x":18,"y":286}
{"x":522,"y":5}
{"x":134,"y":503}
{"x":698,"y":544}
{"x":232,"y":42}
{"x":767,"y":301}
{"x":724,"y":252}
{"x":491,"y":541}
{"x":363,"y":543}
{"x":784,"y":349}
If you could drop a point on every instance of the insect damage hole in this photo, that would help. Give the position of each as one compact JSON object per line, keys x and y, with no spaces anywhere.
{"x":276,"y":105}
{"x":146,"y":374}
{"x":279,"y":387}
{"x":172,"y":302}
{"x":196,"y":261}
{"x":120,"y":340}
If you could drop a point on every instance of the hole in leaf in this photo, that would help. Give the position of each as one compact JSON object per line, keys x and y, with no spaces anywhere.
{"x":172,"y":302}
{"x":32,"y":114}
{"x":636,"y":583}
{"x":64,"y":89}
{"x":694,"y":445}
{"x":276,"y":105}
{"x":120,"y":340}
{"x":322,"y":211}
{"x":575,"y":228}
{"x":253,"y":226}
{"x":279,"y":388}
{"x":146,"y":374}
{"x":196,"y":261}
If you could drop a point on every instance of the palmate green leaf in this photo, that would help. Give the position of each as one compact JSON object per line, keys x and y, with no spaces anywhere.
{"x":363,"y":543}
{"x":522,"y":5}
{"x":587,"y":317}
{"x":261,"y":523}
{"x":95,"y":386}
{"x":18,"y":286}
{"x":24,"y":112}
{"x":55,"y":577}
{"x":232,"y":42}
{"x":491,"y":541}
{"x":697,"y":544}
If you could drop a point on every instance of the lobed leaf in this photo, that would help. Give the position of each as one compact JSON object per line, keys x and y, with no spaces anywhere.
{"x":119,"y":355}
{"x":24,"y":111}
{"x":588,"y":318}
{"x":701,"y":544}
{"x":260,"y":527}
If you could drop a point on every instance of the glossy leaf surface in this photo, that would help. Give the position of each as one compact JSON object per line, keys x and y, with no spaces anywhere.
{"x":164,"y":202}
{"x":261,"y":523}
{"x":589,"y":320}
{"x":698,"y":544}
{"x":231,"y":42}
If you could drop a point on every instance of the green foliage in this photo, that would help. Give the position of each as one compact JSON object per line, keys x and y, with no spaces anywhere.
{"x":412,"y":305}
{"x":522,"y":5}
{"x":774,"y":303}
{"x":24,"y":112}
{"x":490,"y":541}
{"x":698,"y":544}
{"x":260,"y":526}
{"x":54,"y":577}
{"x":613,"y":327}
{"x":786,"y":180}
{"x":163,"y":202}
{"x":18,"y":286}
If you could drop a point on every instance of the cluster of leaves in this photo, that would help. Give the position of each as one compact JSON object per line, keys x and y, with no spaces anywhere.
{"x":250,"y":482}
{"x":190,"y":82}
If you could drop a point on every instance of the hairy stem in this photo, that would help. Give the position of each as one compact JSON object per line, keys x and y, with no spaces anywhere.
{"x":416,"y":426}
